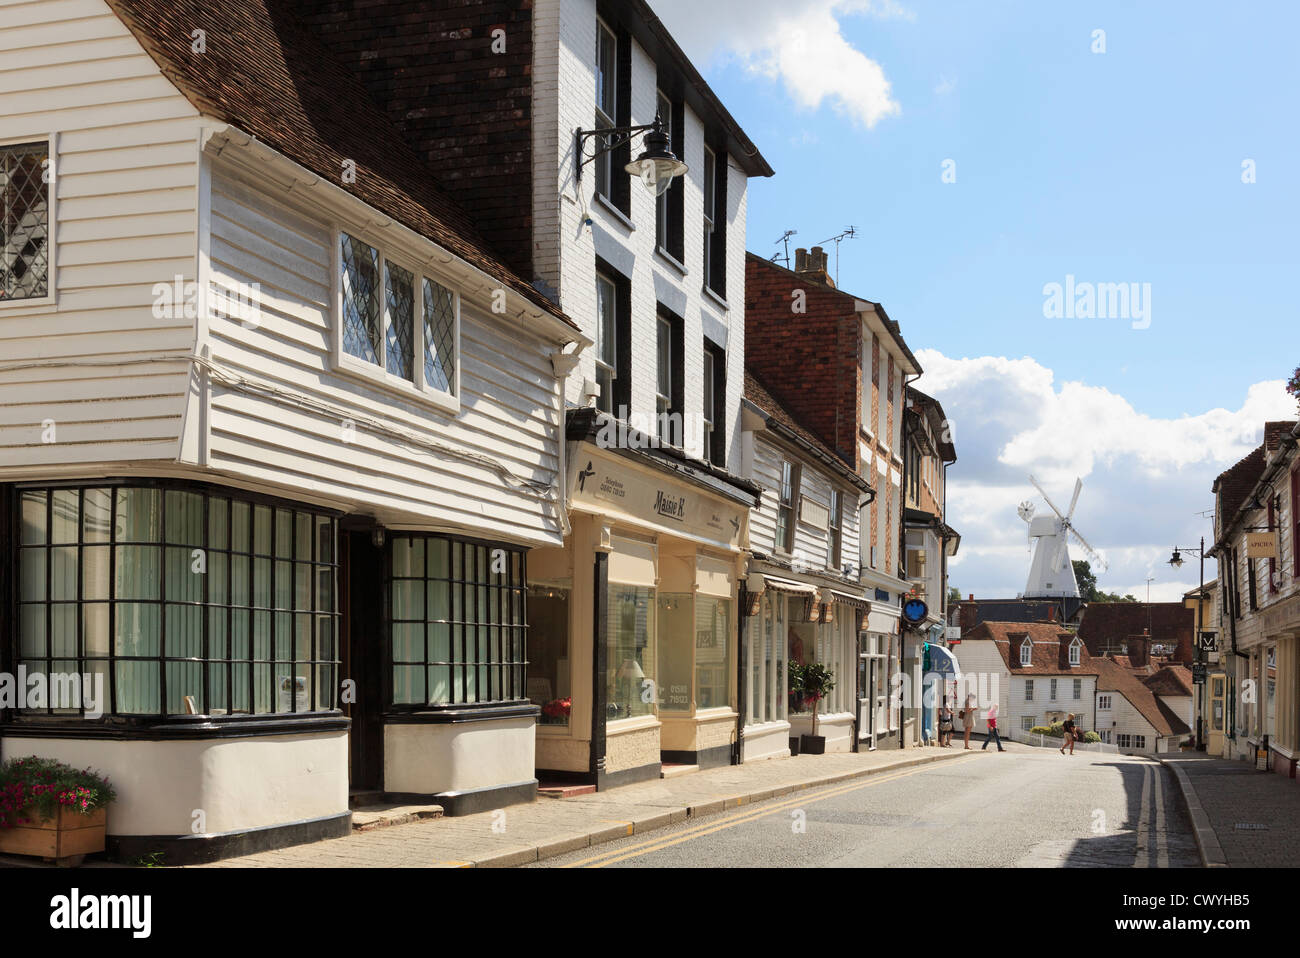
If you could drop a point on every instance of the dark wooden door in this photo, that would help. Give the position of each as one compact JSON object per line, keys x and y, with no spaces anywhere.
{"x":361,"y":587}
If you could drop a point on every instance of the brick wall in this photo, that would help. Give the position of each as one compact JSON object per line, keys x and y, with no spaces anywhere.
{"x":465,"y":108}
{"x":809,"y":360}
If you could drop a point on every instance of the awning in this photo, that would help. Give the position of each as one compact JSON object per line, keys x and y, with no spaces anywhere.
{"x":788,"y":585}
{"x":852,"y":601}
{"x":942,"y":662}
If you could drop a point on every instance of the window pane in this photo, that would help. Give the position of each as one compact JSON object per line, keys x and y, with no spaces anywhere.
{"x":631,"y":653}
{"x":439,"y":337}
{"x":606,"y":56}
{"x":399,"y":287}
{"x":138,"y":515}
{"x":361,"y":312}
{"x":24,"y":198}
{"x":712,"y":670}
{"x":33,"y":517}
{"x":665,"y":354}
{"x":676,"y":633}
{"x":605,"y":333}
{"x":64,"y":516}
{"x":184,"y":518}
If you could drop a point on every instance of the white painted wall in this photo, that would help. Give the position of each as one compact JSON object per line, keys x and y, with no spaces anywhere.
{"x":237,"y":783}
{"x":126,"y":175}
{"x":427,"y":759}
{"x":564,"y":42}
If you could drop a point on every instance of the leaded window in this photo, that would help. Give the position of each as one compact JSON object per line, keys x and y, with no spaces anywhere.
{"x":179,"y":599}
{"x":24,"y":221}
{"x":439,"y":337}
{"x":400,"y":321}
{"x":457,"y":618}
{"x":361,"y":305}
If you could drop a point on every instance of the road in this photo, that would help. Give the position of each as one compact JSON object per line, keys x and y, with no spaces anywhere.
{"x":1025,"y":807}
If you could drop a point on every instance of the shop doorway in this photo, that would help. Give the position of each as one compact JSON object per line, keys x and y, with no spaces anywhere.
{"x":361,"y":593}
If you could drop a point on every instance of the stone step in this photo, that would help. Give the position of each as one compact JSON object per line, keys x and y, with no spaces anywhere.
{"x":671,"y":770}
{"x":564,"y":791}
{"x":370,"y":817}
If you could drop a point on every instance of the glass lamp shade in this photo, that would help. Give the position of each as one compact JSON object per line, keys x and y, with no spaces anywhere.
{"x":1177,"y":560}
{"x":656,"y":166}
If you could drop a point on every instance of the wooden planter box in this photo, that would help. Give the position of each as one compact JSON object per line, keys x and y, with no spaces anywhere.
{"x":67,"y":838}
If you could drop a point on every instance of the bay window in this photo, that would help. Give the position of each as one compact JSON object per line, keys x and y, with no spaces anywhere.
{"x":180,"y":599}
{"x":457,"y":620}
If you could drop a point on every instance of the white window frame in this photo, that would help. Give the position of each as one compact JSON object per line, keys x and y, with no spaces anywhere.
{"x":377,"y":373}
{"x":1053,"y":690}
{"x":610,"y":119}
{"x":610,"y":367}
{"x":1029,"y":690}
{"x":49,"y":301}
{"x":1077,"y":690}
{"x":1123,"y":740}
{"x":1027,"y":652}
{"x":1103,"y":703}
{"x":663,"y":376}
{"x":1026,"y":723}
{"x":661,"y":201}
{"x":1075,"y":654}
{"x":1139,"y":741}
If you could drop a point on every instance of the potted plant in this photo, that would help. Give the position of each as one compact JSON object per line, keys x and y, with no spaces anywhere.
{"x":817,"y":682}
{"x":52,"y":810}
{"x":795,"y":672}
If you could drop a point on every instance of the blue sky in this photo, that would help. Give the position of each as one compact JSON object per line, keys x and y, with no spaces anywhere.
{"x":1122,"y":166}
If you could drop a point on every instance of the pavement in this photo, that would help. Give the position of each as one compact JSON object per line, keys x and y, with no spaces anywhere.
{"x":1222,"y":796}
{"x":549,"y":827}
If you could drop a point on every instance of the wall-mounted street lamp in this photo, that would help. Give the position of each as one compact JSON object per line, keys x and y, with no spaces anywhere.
{"x":1176,"y":560}
{"x":656,"y":166}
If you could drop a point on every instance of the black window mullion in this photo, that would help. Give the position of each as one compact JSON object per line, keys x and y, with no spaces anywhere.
{"x":205,"y":639}
{"x":162,"y":603}
{"x":112,"y":600}
{"x":313,"y":583}
{"x":81,"y":638}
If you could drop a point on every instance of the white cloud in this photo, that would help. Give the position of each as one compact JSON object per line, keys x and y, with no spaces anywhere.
{"x":798,"y":44}
{"x":1145,"y":478}
{"x":945,"y":86}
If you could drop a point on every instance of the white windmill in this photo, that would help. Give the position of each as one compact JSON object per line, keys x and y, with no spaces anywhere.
{"x":1051,"y":573}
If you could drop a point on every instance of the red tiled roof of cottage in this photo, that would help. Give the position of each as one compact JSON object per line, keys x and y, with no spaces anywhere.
{"x":1111,"y":677}
{"x":1170,"y":680}
{"x":1050,"y":647}
{"x":1233,"y":485}
{"x":267,"y":75}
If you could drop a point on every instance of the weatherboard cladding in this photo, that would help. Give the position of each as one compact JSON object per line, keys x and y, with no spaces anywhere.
{"x":1112,"y":677}
{"x":268,"y":74}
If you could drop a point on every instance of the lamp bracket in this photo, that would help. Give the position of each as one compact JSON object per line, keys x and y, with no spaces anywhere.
{"x":613,"y":138}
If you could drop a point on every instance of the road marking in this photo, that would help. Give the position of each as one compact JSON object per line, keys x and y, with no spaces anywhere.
{"x":1142,"y":859}
{"x":707,"y":828}
{"x":1162,"y":836}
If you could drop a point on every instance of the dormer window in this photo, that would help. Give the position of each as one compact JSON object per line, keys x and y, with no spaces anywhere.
{"x":1074,"y":652}
{"x":1026,"y":652}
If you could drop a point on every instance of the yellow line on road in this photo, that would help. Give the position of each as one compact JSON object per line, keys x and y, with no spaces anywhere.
{"x":707,"y":828}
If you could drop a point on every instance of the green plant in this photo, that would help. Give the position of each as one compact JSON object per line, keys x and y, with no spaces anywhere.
{"x":809,"y":684}
{"x":1091,"y":737}
{"x":33,"y":789}
{"x":152,"y":860}
{"x":1051,"y":731}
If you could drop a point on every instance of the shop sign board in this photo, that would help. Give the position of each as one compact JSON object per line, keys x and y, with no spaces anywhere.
{"x":1262,"y":545}
{"x":605,"y":484}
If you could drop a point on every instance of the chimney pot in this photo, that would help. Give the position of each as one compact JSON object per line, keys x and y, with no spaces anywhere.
{"x":800,"y":259}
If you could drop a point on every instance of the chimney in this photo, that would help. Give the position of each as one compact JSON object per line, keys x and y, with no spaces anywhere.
{"x":812,"y":263}
{"x":1051,"y":613}
{"x":1137,"y":649}
{"x":972,"y":597}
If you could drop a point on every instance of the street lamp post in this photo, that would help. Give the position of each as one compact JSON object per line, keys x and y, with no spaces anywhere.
{"x":1177,"y":561}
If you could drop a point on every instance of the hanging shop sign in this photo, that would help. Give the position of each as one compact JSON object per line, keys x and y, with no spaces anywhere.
{"x":1262,"y":545}
{"x":1208,"y":641}
{"x":606,"y":484}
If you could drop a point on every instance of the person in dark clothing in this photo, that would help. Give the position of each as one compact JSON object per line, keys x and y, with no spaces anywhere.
{"x":1070,"y":734}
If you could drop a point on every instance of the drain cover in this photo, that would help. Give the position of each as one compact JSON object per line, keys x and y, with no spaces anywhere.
{"x":1250,"y":826}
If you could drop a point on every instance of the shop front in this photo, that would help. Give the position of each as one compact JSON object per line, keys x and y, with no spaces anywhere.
{"x":634,"y":622}
{"x":793,"y":621}
{"x":879,"y":703}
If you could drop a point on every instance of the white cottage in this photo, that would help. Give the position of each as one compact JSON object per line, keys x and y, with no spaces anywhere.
{"x":277,"y":431}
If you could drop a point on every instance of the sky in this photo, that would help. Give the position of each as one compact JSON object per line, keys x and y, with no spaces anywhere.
{"x":983,"y":152}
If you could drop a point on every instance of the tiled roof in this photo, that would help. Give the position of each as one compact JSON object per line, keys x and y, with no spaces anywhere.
{"x":1050,"y":654}
{"x":265,"y":74}
{"x":1111,"y":677}
{"x":1275,"y":432}
{"x":1234,"y":485}
{"x":1170,"y":680}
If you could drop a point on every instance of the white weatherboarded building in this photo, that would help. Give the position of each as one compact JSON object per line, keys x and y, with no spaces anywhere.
{"x":276,"y":433}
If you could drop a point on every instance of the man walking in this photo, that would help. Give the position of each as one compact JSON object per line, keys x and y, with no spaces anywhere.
{"x":993,"y":729}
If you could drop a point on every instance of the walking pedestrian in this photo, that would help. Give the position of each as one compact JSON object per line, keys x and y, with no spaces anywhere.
{"x":992,"y":719}
{"x":1070,"y":734}
{"x":945,"y":725}
{"x":968,"y":719}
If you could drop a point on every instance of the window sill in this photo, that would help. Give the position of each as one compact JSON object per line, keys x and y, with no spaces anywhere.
{"x":373,"y":375}
{"x":44,"y":304}
{"x":175,"y":727}
{"x":718,"y":300}
{"x":615,"y":212}
{"x":671,"y":260}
